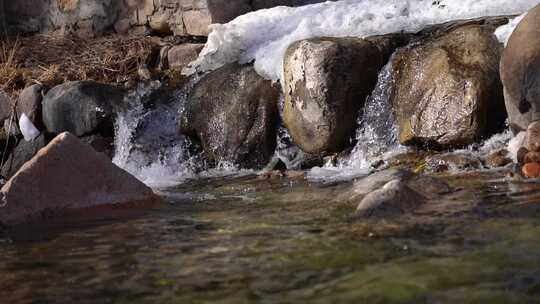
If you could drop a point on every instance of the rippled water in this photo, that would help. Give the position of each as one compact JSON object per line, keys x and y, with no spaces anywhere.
{"x":246,"y":240}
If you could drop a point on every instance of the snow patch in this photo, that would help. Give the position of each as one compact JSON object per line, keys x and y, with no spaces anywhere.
{"x":264,"y":35}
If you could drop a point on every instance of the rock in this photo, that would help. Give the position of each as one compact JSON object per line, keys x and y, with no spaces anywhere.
{"x":29,"y":103}
{"x":498,"y":159}
{"x":23,"y":152}
{"x":520,"y":72}
{"x":81,"y":108}
{"x":324,"y":90}
{"x":68,"y":178}
{"x":197,"y":22}
{"x":180,"y":56}
{"x":516,"y":144}
{"x":5,"y":112}
{"x":532,"y":139}
{"x":531,"y":170}
{"x":100,"y":144}
{"x":393,"y":198}
{"x":521,"y":153}
{"x":447,"y":91}
{"x":233,"y":113}
{"x":122,"y":26}
{"x":453,"y":161}
{"x":531,"y":157}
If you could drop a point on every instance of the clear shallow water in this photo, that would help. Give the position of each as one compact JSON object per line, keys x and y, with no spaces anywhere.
{"x":246,"y":240}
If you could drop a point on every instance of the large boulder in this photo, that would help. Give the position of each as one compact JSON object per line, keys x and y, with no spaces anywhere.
{"x":82,"y":108}
{"x":68,"y":178}
{"x":520,"y":72}
{"x":447,"y":90}
{"x":326,"y":82}
{"x":233,"y":112}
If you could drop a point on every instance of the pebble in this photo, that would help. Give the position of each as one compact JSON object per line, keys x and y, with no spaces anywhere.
{"x":531,"y":170}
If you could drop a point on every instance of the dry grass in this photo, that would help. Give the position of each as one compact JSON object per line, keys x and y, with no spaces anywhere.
{"x":54,"y":59}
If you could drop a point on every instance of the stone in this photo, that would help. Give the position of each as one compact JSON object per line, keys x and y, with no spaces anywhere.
{"x":29,"y":103}
{"x":324,"y":90}
{"x":6,"y":110}
{"x":533,"y":136}
{"x":498,"y":159}
{"x":393,"y":198}
{"x":531,"y":157}
{"x":122,"y":26}
{"x":82,"y":108}
{"x":197,"y":22}
{"x":520,"y":72}
{"x":447,"y":91}
{"x":531,"y":170}
{"x":454,"y":161}
{"x":100,"y":144}
{"x":180,"y":56}
{"x":68,"y":178}
{"x":233,"y":112}
{"x":223,"y":11}
{"x":23,"y":152}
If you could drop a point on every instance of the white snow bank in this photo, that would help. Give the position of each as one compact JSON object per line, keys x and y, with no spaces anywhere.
{"x":504,"y":32}
{"x":264,"y":35}
{"x":28,"y":130}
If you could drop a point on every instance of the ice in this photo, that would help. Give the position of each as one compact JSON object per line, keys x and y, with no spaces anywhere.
{"x":504,"y":32}
{"x":28,"y":130}
{"x":263,"y":36}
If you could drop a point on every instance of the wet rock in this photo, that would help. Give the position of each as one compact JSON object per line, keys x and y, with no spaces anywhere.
{"x":531,"y":157}
{"x":393,"y":198}
{"x":517,"y":144}
{"x":531,"y":170}
{"x":447,"y":90}
{"x":23,"y":152}
{"x":180,"y":56}
{"x":532,"y":138}
{"x":498,"y":159}
{"x":81,"y":108}
{"x":520,"y":72}
{"x":453,"y":161}
{"x":521,"y":153}
{"x":68,"y":178}
{"x":233,"y":113}
{"x":324,"y":90}
{"x":29,"y":103}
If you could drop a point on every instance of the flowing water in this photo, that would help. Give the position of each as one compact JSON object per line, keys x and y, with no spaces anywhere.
{"x":230,"y":236}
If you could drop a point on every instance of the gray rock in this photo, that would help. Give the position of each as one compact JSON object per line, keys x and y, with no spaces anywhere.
{"x":393,"y":198}
{"x":520,"y":72}
{"x":82,"y":108}
{"x":447,"y":90}
{"x":233,"y":112}
{"x":5,"y":112}
{"x":23,"y":152}
{"x":101,"y":144}
{"x":29,"y":103}
{"x":324,"y":89}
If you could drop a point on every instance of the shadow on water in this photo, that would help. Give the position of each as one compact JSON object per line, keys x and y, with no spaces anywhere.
{"x":247,"y":240}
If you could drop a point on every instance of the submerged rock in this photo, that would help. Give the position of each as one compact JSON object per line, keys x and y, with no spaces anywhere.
{"x":68,"y":178}
{"x":520,"y":72}
{"x":326,"y":83}
{"x":393,"y":198}
{"x":447,"y":90}
{"x":81,"y":108}
{"x":233,"y":112}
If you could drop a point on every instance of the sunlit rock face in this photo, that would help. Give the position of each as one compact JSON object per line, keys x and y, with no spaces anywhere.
{"x":326,"y":83}
{"x":520,"y":72}
{"x":447,"y":90}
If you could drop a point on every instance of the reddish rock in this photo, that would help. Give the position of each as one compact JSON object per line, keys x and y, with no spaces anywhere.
{"x":178,"y":57}
{"x":531,"y":170}
{"x":68,"y":178}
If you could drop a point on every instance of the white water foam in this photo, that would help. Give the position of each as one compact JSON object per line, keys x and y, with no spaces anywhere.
{"x":264,"y":35}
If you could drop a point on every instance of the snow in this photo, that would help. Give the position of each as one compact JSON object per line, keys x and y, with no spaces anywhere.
{"x":28,"y":130}
{"x":504,"y":32}
{"x":264,"y":35}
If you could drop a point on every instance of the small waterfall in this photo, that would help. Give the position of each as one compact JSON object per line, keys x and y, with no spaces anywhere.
{"x":376,"y":135}
{"x":147,"y":142}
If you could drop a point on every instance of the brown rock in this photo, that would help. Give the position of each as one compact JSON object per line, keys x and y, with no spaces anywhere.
{"x":531,"y":157}
{"x":532,"y":138}
{"x":498,"y":159}
{"x":447,"y":91}
{"x":197,"y":22}
{"x":520,"y":72}
{"x":180,"y":56}
{"x":68,"y":177}
{"x":531,"y":170}
{"x":521,"y":155}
